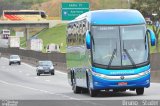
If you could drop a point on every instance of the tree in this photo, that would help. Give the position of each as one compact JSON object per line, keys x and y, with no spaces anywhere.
{"x":147,"y":8}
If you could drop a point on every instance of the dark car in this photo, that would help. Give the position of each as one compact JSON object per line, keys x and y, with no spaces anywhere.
{"x":45,"y":67}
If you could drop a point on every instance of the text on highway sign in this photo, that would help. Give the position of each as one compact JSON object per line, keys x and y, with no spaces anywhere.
{"x":70,"y":10}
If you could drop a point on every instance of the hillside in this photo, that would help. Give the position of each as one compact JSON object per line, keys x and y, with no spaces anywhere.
{"x":53,"y":7}
{"x":55,"y":35}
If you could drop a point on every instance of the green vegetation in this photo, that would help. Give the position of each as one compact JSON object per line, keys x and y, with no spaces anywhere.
{"x":148,"y":8}
{"x":55,"y":35}
{"x":23,"y":42}
{"x":153,"y":48}
{"x":54,"y":5}
{"x":26,"y":1}
{"x":34,"y":1}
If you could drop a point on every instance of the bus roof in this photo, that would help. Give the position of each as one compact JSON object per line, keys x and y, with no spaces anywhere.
{"x":113,"y":17}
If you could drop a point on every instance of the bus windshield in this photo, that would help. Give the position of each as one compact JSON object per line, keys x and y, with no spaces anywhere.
{"x":119,"y":46}
{"x":135,"y":44}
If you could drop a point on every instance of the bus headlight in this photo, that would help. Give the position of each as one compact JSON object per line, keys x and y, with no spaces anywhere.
{"x":98,"y":74}
{"x":144,"y":73}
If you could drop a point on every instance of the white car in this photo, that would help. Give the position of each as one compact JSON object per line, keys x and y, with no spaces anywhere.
{"x":14,"y":59}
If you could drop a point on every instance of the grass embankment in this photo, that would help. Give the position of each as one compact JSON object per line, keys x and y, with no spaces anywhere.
{"x":32,"y":32}
{"x":56,"y":35}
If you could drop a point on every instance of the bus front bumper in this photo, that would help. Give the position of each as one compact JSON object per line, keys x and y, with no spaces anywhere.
{"x":100,"y":83}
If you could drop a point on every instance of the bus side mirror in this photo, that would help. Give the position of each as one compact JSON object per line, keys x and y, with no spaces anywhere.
{"x":152,"y":37}
{"x":88,"y":40}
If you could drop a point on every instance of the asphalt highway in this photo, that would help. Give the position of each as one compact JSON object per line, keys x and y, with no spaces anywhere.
{"x":20,"y":82}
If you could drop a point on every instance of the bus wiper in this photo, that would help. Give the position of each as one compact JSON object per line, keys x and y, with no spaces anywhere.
{"x":110,"y":61}
{"x":129,"y":56}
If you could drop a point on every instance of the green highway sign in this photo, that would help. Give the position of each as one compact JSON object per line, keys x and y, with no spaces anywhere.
{"x":70,"y":10}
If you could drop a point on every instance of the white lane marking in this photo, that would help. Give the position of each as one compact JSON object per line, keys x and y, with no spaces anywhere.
{"x":4,"y":82}
{"x":67,"y":96}
{"x":47,"y":80}
{"x":35,"y":89}
{"x":57,"y":71}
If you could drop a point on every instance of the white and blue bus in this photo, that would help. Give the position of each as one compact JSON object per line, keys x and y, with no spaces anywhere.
{"x":109,"y":50}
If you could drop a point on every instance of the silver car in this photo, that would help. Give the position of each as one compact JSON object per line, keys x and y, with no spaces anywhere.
{"x":14,"y":59}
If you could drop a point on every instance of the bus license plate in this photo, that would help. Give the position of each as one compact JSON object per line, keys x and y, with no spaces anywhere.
{"x":122,"y":83}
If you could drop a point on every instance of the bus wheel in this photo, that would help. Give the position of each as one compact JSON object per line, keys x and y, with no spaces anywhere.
{"x":92,"y":92}
{"x":140,"y":91}
{"x":75,"y":88}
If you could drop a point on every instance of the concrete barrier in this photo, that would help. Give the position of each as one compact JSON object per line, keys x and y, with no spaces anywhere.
{"x":32,"y":57}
